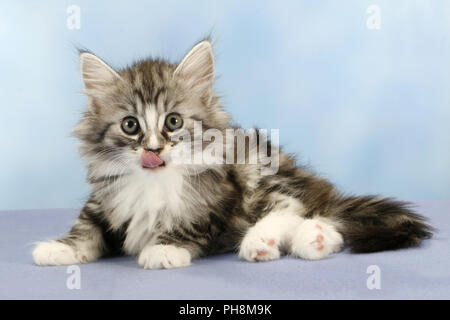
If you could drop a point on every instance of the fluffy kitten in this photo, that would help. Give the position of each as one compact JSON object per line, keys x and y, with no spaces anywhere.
{"x":167,"y":213}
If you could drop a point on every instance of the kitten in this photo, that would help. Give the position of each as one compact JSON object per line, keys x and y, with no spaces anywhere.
{"x":167,"y":213}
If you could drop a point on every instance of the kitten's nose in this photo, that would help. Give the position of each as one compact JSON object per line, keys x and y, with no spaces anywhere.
{"x":154,"y":150}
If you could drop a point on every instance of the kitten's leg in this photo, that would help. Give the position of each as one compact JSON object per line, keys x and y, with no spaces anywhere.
{"x":84,"y":243}
{"x":164,"y":256}
{"x":273,"y":233}
{"x":316,"y":239}
{"x":174,"y":249}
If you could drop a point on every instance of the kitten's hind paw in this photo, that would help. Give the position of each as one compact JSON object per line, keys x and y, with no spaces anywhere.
{"x":315,"y":240}
{"x":256,"y":248}
{"x":164,"y":257}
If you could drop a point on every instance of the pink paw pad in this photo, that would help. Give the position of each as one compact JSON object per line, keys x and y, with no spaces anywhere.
{"x":319,"y":240}
{"x":261,"y":252}
{"x":270,"y":242}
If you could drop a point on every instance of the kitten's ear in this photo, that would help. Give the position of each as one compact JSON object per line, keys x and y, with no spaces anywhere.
{"x":96,"y":74}
{"x":197,"y":68}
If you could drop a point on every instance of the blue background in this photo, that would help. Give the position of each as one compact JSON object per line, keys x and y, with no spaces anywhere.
{"x":368,"y":109}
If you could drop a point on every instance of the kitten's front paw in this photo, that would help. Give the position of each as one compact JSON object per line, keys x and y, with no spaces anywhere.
{"x":315,"y":240}
{"x":258,"y":248}
{"x":54,"y":253}
{"x":164,"y":257}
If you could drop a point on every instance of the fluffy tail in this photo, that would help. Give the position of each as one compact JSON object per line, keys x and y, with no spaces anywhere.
{"x":375,"y":224}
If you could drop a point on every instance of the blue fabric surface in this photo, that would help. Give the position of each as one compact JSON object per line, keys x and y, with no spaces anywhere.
{"x":418,"y":273}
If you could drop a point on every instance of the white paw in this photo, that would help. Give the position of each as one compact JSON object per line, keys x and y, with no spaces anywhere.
{"x":164,"y":257}
{"x":255,"y":247}
{"x":55,"y":253}
{"x":315,"y":239}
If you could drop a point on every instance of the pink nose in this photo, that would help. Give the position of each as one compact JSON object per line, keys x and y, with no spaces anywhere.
{"x":149,"y":159}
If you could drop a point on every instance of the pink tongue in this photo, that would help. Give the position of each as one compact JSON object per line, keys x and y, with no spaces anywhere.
{"x":150,"y":159}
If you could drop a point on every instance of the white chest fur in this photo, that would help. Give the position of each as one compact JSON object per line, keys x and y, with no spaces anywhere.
{"x":143,"y":199}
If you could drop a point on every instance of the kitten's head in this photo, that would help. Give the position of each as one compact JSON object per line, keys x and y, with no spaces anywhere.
{"x":134,"y":114}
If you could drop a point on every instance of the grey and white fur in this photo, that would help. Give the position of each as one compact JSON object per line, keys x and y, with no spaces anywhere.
{"x":168,"y":213}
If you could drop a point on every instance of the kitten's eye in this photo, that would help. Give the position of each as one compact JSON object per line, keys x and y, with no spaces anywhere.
{"x":173,"y":121}
{"x":130,"y":125}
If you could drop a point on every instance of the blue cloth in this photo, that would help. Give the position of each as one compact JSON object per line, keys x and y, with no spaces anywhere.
{"x":417,"y":273}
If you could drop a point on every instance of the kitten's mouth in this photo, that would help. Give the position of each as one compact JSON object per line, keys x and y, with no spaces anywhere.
{"x":155,"y":167}
{"x":151,"y":160}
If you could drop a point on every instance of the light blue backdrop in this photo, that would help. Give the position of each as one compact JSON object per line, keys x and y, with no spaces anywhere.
{"x":369,"y":109}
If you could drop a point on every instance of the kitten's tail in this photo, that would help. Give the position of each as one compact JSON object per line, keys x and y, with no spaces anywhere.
{"x":375,"y":224}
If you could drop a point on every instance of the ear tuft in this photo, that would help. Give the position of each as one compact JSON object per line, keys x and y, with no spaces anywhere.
{"x":197,"y":68}
{"x":96,"y":74}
